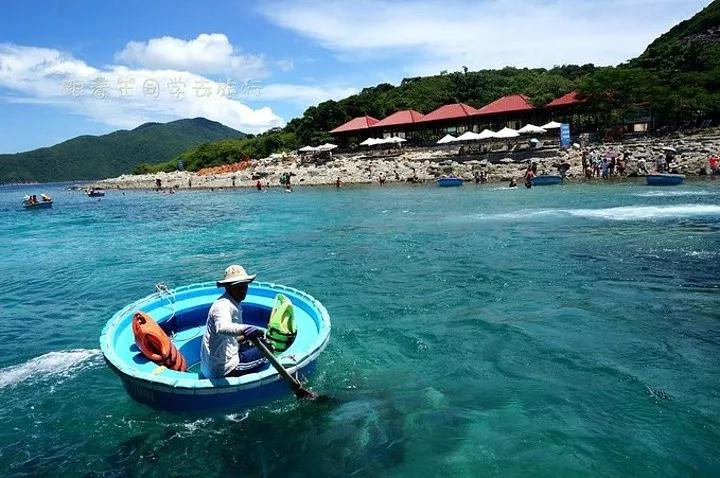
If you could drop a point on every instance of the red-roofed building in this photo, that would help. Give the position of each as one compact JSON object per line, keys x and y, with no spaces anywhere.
{"x":449,"y":112}
{"x":571,"y":99}
{"x":356,"y":125}
{"x":513,"y":111}
{"x":455,"y":118}
{"x":571,"y":108}
{"x":399,"y":118}
{"x":506,"y":104}
{"x":401,"y":123}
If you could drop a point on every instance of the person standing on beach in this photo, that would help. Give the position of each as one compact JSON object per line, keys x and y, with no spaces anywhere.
{"x":621,"y":162}
{"x":596,"y":165}
{"x":337,"y":182}
{"x":660,"y":164}
{"x":605,"y":167}
{"x":382,"y":179}
{"x":529,"y":175}
{"x":258,"y":185}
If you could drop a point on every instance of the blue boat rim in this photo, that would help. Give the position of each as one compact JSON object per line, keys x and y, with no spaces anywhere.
{"x":193,"y":386}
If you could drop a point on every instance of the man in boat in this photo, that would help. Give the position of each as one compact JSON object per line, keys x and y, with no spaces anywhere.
{"x":222,"y":353}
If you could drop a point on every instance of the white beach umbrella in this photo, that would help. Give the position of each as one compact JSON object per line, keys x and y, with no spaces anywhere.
{"x":507,"y":133}
{"x":486,"y":134}
{"x":468,"y":136}
{"x":326,"y":147}
{"x":394,"y":140}
{"x":551,"y":125}
{"x":368,"y":142}
{"x":531,"y":129}
{"x":307,"y":149}
{"x":448,"y":138}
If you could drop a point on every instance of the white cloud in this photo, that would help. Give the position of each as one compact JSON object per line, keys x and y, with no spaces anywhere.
{"x":285,"y":64}
{"x":304,"y":95}
{"x":47,"y":76}
{"x":208,"y":53}
{"x":427,"y":36}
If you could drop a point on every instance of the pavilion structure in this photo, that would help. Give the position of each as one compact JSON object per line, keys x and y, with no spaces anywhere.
{"x":511,"y":111}
{"x":454,"y":119}
{"x":355,"y":130}
{"x":403,"y":124}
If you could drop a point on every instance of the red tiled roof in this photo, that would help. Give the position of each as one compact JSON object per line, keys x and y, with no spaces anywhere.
{"x":399,"y":118}
{"x":445,"y":112}
{"x":506,"y":104}
{"x":356,"y":124}
{"x":572,"y":98}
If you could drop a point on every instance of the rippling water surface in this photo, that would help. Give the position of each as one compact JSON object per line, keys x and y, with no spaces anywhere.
{"x":480,"y":331}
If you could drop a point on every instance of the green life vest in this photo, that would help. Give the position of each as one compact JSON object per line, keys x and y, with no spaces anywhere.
{"x":281,"y":329}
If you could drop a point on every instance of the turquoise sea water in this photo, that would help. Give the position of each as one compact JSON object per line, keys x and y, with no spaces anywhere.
{"x":559,"y":331}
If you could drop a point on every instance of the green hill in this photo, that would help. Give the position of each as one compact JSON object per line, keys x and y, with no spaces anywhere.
{"x":93,"y":157}
{"x":691,"y":45}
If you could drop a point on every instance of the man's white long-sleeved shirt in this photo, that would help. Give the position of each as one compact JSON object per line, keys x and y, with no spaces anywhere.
{"x":219,"y":349}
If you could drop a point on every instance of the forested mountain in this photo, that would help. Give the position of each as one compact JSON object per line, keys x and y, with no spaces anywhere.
{"x":92,"y":157}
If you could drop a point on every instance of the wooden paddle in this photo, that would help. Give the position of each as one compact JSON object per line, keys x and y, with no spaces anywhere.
{"x":300,"y":392}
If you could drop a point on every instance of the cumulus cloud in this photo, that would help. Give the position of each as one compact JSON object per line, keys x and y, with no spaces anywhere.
{"x":304,"y":95}
{"x":428,"y":36}
{"x":208,"y":53}
{"x":125,"y":97}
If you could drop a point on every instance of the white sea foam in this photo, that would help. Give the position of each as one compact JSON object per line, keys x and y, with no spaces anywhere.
{"x":623,"y":213}
{"x":634,"y":213}
{"x":55,"y":365}
{"x":659,"y":194}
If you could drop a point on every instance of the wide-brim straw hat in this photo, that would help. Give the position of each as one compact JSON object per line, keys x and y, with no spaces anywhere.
{"x":236,"y":274}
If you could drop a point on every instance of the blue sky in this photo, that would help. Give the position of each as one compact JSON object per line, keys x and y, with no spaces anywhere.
{"x":81,"y":67}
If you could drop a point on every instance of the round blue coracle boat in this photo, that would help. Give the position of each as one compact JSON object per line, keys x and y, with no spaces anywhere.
{"x":546,"y":180}
{"x":664,"y":179}
{"x":449,"y":181}
{"x":182,"y":314}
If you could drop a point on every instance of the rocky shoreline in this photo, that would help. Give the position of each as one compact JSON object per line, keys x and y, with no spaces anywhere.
{"x":426,"y":164}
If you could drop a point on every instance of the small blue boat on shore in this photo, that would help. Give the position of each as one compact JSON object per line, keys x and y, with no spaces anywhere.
{"x":182,"y":314}
{"x":546,"y":180}
{"x":449,"y":181}
{"x":664,"y":179}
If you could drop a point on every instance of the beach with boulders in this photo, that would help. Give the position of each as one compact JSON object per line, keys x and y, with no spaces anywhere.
{"x":690,"y":153}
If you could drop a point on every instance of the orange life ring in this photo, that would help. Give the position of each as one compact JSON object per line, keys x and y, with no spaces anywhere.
{"x":154,"y":343}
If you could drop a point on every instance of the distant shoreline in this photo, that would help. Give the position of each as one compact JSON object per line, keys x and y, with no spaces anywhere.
{"x":427,"y":165}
